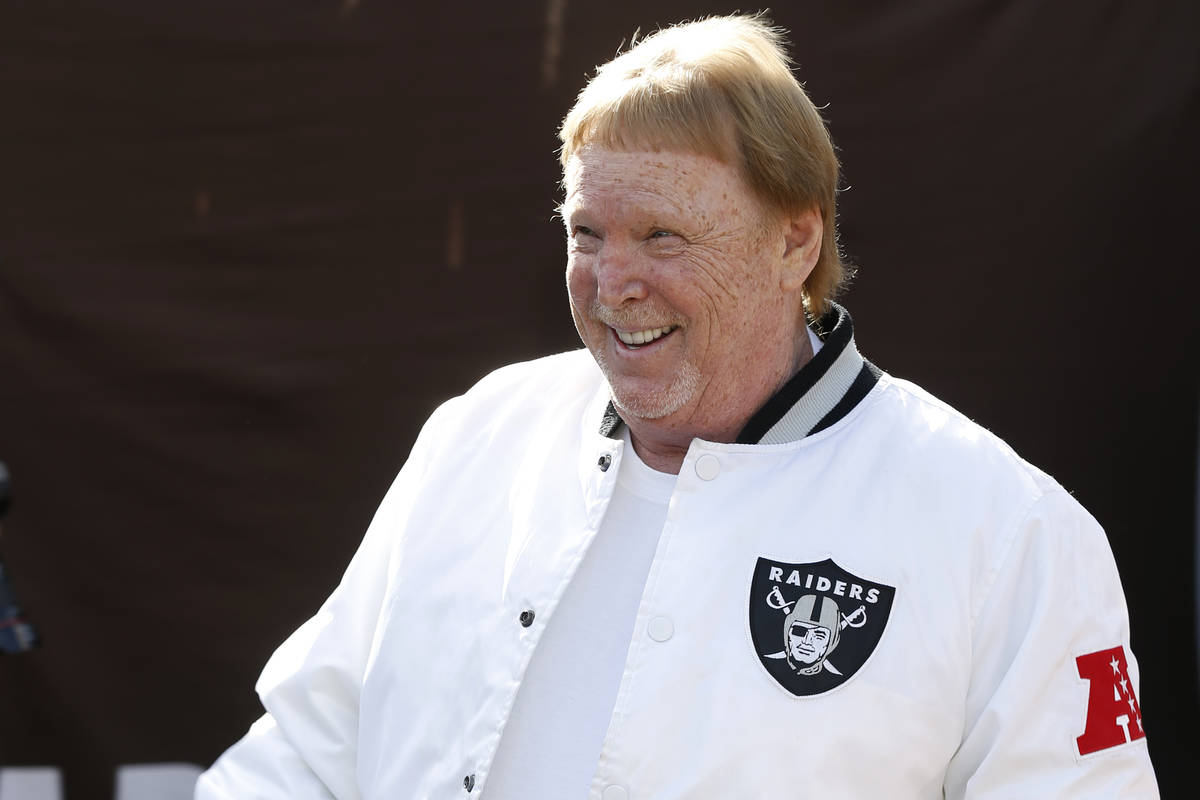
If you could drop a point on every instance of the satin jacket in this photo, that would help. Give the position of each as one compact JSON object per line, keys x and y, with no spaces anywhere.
{"x":992,"y":662}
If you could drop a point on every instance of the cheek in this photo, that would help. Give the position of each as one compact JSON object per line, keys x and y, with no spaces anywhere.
{"x":577,"y":278}
{"x":581,"y":287}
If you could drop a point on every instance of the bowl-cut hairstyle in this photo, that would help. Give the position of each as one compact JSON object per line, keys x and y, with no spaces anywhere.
{"x":721,"y":87}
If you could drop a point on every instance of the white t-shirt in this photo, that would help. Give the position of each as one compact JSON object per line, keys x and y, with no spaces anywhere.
{"x":552,"y":742}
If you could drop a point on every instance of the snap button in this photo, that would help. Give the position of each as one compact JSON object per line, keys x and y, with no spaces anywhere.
{"x":605,"y":462}
{"x":707,"y":467}
{"x":526,"y":618}
{"x":615,"y":792}
{"x":661,"y":629}
{"x":469,"y":782}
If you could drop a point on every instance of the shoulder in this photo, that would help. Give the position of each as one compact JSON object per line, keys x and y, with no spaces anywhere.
{"x":926,"y":453}
{"x":937,"y":439}
{"x":563,"y":373}
{"x":523,"y":395}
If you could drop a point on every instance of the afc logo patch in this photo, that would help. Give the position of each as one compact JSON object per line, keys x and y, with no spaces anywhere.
{"x":1113,"y":714}
{"x":814,"y":625}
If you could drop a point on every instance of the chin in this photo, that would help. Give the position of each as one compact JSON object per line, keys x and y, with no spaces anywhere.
{"x":642,"y":407}
{"x":656,"y":402}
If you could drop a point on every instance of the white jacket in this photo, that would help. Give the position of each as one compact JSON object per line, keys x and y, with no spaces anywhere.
{"x":979,"y":681}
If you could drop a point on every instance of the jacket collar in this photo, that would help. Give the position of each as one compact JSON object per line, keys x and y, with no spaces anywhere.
{"x":821,"y":393}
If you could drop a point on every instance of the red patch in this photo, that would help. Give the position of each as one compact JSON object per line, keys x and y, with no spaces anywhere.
{"x":1113,"y":714}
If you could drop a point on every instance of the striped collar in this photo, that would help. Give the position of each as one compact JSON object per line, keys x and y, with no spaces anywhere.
{"x":821,"y":393}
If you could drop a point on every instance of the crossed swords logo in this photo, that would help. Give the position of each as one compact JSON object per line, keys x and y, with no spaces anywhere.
{"x":855,"y":619}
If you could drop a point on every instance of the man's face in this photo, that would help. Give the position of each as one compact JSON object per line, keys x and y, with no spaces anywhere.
{"x":676,"y":280}
{"x":808,"y":643}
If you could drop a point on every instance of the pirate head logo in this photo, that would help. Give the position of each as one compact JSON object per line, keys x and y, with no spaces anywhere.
{"x":815,"y":625}
{"x":810,"y":632}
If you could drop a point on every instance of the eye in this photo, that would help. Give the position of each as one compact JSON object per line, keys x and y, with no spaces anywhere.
{"x":583,"y":230}
{"x":660,"y":234}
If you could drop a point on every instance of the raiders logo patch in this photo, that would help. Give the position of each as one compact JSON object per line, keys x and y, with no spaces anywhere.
{"x":815,"y":625}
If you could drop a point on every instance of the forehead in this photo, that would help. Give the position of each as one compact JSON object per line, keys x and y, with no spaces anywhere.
{"x":599,"y":180}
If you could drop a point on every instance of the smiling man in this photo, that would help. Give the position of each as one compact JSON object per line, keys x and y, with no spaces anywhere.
{"x":686,"y":289}
{"x":647,"y":569}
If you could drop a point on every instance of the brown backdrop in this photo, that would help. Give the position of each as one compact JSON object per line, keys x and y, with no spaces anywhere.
{"x":245,"y":248}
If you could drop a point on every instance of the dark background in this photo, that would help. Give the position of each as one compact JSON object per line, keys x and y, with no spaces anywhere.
{"x":245,"y":249}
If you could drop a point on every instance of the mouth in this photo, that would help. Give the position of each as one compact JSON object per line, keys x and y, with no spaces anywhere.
{"x":635,"y":340}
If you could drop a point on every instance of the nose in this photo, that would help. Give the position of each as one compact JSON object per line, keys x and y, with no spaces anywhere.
{"x":619,"y":277}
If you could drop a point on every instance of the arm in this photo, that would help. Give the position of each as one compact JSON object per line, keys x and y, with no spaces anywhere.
{"x":306,"y":746}
{"x":262,"y":766}
{"x":1040,"y":720}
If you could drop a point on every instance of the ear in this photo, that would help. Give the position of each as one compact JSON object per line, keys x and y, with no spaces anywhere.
{"x":802,"y":247}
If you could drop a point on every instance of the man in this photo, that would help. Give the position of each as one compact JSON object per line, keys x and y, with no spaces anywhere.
{"x":583,"y":582}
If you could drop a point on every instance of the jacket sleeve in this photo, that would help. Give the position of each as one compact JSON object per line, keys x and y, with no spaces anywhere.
{"x":262,"y":766}
{"x":306,"y":746}
{"x":1052,"y":706}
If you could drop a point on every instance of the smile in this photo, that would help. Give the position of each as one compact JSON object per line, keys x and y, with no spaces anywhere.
{"x":639,"y":338}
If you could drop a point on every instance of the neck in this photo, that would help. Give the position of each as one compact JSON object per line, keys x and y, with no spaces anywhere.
{"x":663,"y":443}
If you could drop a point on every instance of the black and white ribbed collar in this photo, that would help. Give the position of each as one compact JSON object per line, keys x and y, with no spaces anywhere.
{"x":821,"y":393}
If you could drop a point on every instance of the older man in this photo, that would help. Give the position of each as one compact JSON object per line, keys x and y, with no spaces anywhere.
{"x":718,"y":549}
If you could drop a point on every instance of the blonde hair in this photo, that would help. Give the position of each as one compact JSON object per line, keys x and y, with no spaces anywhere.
{"x":721,"y":87}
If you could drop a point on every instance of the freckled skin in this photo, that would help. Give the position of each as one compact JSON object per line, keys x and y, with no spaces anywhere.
{"x":658,"y":238}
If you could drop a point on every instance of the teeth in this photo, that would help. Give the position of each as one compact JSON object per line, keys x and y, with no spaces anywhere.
{"x":644,"y":337}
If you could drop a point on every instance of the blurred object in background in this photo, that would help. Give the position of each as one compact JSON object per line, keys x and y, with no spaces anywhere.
{"x":17,"y":635}
{"x":5,"y":492}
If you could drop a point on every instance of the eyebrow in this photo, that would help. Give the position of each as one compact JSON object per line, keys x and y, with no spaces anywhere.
{"x":667,"y":217}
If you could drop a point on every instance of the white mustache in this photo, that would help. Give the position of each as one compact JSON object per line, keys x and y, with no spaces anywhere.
{"x":640,"y":318}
